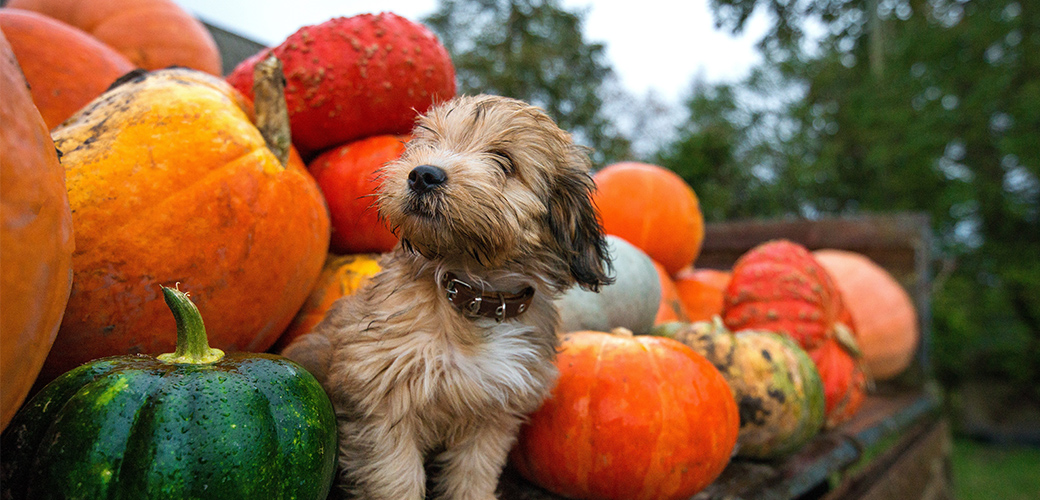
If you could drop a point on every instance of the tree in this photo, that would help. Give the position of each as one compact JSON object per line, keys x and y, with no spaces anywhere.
{"x":534,"y":50}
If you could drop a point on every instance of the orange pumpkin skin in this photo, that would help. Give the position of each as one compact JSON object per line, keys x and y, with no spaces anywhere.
{"x":701,"y":292}
{"x":171,"y":182}
{"x":652,"y":208}
{"x":630,"y":418}
{"x":152,"y":34}
{"x":348,"y":178}
{"x":885,"y":317}
{"x":66,"y":67}
{"x":342,"y":275}
{"x":36,"y":239}
{"x":672,"y":308}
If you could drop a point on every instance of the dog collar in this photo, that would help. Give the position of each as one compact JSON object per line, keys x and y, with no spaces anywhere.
{"x":471,"y":302}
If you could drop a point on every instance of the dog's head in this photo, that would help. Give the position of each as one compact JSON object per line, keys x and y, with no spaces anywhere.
{"x":491,"y":181}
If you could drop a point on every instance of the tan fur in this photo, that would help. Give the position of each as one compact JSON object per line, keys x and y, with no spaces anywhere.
{"x":413,"y":380}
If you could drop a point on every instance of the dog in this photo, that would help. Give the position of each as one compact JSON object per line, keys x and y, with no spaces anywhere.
{"x":437,"y":361}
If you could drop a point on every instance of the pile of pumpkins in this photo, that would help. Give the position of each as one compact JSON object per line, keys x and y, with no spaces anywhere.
{"x":166,"y":177}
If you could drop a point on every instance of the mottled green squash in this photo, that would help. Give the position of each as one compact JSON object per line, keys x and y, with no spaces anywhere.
{"x":776,"y":385}
{"x":196,"y":423}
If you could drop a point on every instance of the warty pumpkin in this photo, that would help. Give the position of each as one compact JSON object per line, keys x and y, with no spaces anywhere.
{"x":152,"y":34}
{"x":170,"y":181}
{"x":630,"y":418}
{"x":195,"y":423}
{"x":36,"y":238}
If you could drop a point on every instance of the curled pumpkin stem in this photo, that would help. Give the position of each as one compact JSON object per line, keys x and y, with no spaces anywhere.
{"x":272,"y":113}
{"x":192,"y":344}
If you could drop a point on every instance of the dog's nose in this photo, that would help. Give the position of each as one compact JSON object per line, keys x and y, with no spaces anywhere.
{"x":426,"y":177}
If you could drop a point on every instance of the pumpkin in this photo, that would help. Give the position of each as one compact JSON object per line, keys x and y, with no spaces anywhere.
{"x":778,"y":391}
{"x":166,"y":171}
{"x":66,"y":68}
{"x":195,"y":423}
{"x":631,"y":301}
{"x":652,"y":208}
{"x":342,"y":275}
{"x":36,"y":239}
{"x":671,"y":307}
{"x":347,"y":176}
{"x":778,"y":286}
{"x":355,"y":77}
{"x":888,"y":340}
{"x":630,"y":418}
{"x":701,"y":291}
{"x":152,"y":34}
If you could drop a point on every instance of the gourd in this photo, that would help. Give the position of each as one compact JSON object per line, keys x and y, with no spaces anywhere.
{"x":195,"y":423}
{"x":630,"y":302}
{"x":168,"y":170}
{"x":348,"y":177}
{"x":652,"y":208}
{"x":777,"y":388}
{"x":36,"y":238}
{"x":630,"y":418}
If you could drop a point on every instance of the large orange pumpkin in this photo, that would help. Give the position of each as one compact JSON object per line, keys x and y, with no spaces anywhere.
{"x":66,"y":68}
{"x":701,"y":292}
{"x":884,"y":314}
{"x":348,"y":177}
{"x":36,"y":239}
{"x":630,"y":418}
{"x":652,"y":208}
{"x":153,"y":34}
{"x":171,"y":182}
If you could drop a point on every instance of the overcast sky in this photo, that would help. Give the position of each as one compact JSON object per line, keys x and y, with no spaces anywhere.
{"x":658,"y":45}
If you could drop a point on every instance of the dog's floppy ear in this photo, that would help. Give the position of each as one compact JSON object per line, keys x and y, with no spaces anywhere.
{"x":575,"y":224}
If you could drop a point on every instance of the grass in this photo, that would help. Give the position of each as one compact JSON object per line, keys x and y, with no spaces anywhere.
{"x":989,"y":471}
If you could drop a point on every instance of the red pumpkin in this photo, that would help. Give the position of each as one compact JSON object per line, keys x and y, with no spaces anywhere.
{"x":36,"y":239}
{"x":152,"y":34}
{"x":630,"y":418}
{"x":671,"y":308}
{"x":779,"y":286}
{"x":652,"y":208}
{"x":348,"y":178}
{"x":701,"y":292}
{"x":349,"y":78}
{"x":66,"y":67}
{"x":888,"y":341}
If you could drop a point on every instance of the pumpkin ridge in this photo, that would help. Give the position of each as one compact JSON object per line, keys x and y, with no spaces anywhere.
{"x":661,"y":443}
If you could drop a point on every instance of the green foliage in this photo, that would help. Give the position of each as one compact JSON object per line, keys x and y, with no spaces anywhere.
{"x":533,"y":50}
{"x":983,"y":472}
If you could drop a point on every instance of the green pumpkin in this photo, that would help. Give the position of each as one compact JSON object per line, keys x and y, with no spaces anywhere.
{"x":778,"y":390}
{"x":192,"y":424}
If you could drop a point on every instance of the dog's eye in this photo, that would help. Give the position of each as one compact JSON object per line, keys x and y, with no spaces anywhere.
{"x":504,"y":161}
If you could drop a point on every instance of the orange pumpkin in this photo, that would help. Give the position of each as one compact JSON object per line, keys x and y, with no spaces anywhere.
{"x":630,"y":418}
{"x":671,"y":308}
{"x":342,"y":275}
{"x":701,"y":292}
{"x":152,"y":34}
{"x":66,"y":68}
{"x":885,"y":317}
{"x":171,"y":182}
{"x":36,"y":239}
{"x":652,"y":208}
{"x":348,"y":178}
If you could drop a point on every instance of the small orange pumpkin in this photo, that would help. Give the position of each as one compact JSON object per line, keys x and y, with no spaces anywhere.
{"x":152,"y":34}
{"x":36,"y":239}
{"x":66,"y":67}
{"x":701,"y":292}
{"x":672,"y":308}
{"x":652,"y":208}
{"x":630,"y":418}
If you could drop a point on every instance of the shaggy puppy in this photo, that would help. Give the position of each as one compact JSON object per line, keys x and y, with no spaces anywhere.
{"x":438,"y":360}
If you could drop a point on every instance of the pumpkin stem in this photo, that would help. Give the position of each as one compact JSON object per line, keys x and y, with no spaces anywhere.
{"x":192,"y":346}
{"x":272,"y":113}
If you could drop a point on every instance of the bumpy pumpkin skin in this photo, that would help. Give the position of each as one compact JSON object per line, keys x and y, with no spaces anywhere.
{"x":170,"y":182}
{"x":354,"y":77}
{"x":152,"y":34}
{"x":36,"y":239}
{"x":66,"y":68}
{"x":775,"y":383}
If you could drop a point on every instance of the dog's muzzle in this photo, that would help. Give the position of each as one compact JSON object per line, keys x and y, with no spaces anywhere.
{"x":471,"y":302}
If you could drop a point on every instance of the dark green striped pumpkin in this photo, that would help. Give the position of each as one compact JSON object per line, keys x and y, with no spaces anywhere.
{"x":192,"y":424}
